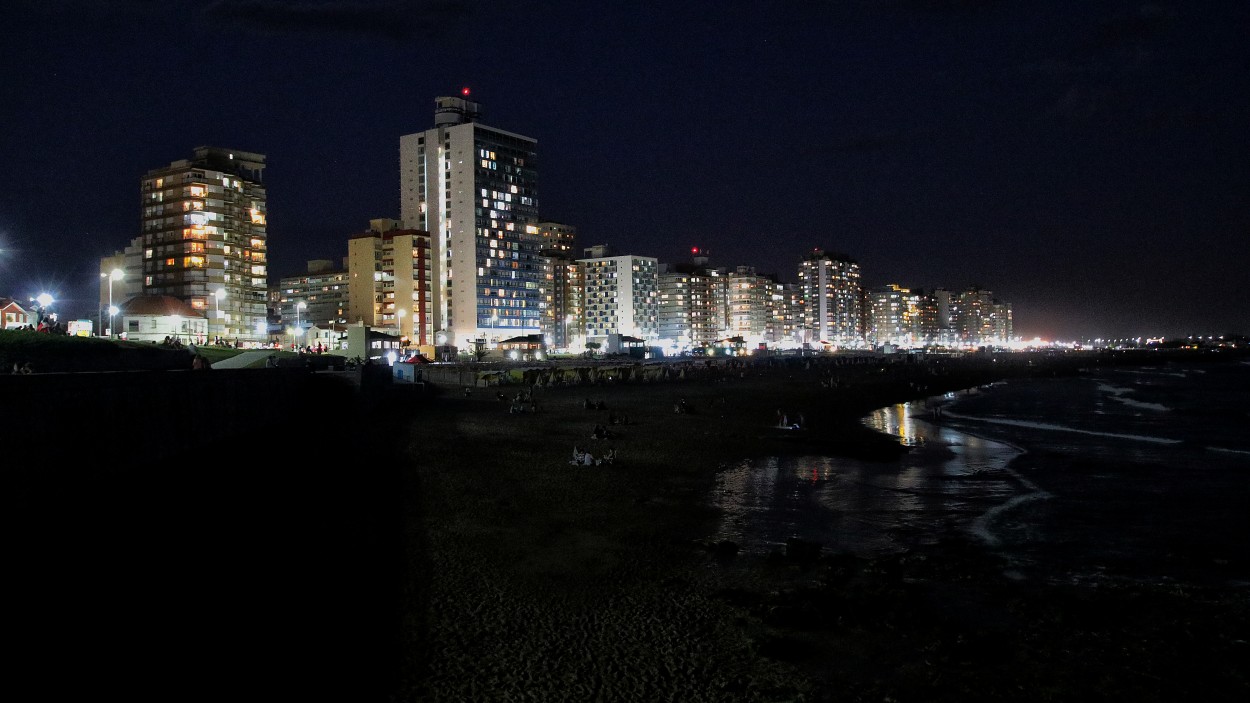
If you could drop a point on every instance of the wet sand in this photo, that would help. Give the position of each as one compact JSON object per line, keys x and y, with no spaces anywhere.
{"x":530,"y":579}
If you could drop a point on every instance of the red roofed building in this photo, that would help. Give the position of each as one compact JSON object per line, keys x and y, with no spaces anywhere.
{"x":14,"y":316}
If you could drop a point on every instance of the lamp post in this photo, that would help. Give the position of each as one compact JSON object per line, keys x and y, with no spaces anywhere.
{"x":299,"y":306}
{"x":114,"y":275}
{"x":45,"y":301}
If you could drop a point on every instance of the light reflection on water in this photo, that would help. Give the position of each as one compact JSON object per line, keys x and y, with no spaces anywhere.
{"x":943,"y":483}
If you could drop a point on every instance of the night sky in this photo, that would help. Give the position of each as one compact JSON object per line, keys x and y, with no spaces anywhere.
{"x":1086,"y":161}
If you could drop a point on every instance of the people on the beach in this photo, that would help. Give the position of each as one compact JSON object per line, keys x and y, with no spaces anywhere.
{"x":581,"y":457}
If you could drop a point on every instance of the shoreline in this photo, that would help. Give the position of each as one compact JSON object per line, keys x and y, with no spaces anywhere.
{"x":452,"y":553}
{"x":545,"y":580}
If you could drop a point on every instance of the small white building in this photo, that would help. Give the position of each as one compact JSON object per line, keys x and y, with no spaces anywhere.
{"x":153,"y":318}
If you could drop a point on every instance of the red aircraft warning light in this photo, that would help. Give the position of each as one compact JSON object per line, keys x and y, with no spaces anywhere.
{"x":465,"y":91}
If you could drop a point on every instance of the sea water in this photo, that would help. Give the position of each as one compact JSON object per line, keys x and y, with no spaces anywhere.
{"x":1140,"y":473}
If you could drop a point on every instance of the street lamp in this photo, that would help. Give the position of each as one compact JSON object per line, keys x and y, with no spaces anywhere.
{"x":44,"y":301}
{"x":114,"y":275}
{"x":299,"y":306}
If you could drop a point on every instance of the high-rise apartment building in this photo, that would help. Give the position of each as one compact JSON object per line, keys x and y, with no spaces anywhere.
{"x":754,"y":307}
{"x":389,"y":280}
{"x":978,"y":318}
{"x":204,"y":238}
{"x":895,"y":317}
{"x":561,"y":281}
{"x":315,"y":298}
{"x":693,"y":309}
{"x":474,"y":189}
{"x":830,"y":285}
{"x":620,"y":295}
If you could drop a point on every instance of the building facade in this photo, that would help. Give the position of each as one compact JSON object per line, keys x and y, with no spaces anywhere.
{"x":204,"y":230}
{"x":474,"y":189}
{"x":694,"y":303}
{"x":390,"y":281}
{"x":754,"y":307}
{"x":316,"y":298}
{"x":620,"y":295}
{"x":896,"y":317}
{"x":830,"y":291}
{"x":561,"y":278}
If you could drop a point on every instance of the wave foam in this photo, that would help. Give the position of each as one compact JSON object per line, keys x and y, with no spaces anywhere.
{"x":1061,"y":428}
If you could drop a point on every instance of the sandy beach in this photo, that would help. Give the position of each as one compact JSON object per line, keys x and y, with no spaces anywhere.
{"x":455,"y":554}
{"x":531,"y":579}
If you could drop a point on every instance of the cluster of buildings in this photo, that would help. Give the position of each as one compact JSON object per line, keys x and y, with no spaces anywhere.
{"x":471,"y":262}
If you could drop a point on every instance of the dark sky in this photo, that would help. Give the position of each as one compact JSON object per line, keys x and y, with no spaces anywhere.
{"x":1086,"y":161}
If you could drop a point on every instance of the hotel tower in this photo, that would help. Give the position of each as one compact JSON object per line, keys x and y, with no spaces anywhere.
{"x":204,"y":239}
{"x":474,"y":189}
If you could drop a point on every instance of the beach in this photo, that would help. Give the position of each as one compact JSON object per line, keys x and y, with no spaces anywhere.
{"x":538,"y":580}
{"x":437,"y":547}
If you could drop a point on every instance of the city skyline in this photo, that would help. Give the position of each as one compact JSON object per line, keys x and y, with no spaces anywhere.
{"x":1084,"y":163}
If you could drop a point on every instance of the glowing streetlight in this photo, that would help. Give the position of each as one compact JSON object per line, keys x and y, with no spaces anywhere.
{"x":43,"y":301}
{"x":299,"y":306}
{"x":114,"y":275}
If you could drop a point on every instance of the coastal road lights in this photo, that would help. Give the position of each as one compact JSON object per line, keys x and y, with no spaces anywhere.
{"x":114,"y":275}
{"x":44,"y":301}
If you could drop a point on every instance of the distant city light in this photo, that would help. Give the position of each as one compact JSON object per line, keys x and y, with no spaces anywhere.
{"x":465,"y":91}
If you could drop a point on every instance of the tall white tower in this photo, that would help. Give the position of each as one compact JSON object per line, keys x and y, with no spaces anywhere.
{"x":474,"y":189}
{"x":830,"y":286}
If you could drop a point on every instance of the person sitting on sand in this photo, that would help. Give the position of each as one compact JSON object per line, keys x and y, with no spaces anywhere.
{"x":579,"y":456}
{"x":600,"y":432}
{"x":609,"y":456}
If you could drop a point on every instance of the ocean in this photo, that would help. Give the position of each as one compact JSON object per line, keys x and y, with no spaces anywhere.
{"x":1135,"y":473}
